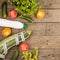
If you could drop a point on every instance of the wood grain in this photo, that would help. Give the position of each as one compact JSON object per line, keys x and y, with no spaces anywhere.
{"x":45,"y":32}
{"x":51,"y":16}
{"x":47,"y":4}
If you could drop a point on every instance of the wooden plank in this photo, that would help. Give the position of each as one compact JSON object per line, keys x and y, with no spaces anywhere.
{"x":44,"y":53}
{"x":45,"y":32}
{"x":1,"y":1}
{"x":53,"y":29}
{"x":37,"y":27}
{"x":52,"y":33}
{"x":51,"y":16}
{"x":45,"y":3}
{"x":44,"y":41}
{"x":40,"y":29}
{"x":49,"y":54}
{"x":47,"y":29}
{"x":50,"y":4}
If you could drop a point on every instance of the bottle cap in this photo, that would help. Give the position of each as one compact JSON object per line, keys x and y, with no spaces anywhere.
{"x":24,"y":25}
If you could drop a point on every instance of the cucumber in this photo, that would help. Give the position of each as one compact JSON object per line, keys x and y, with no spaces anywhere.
{"x":15,"y":55}
{"x":27,"y":18}
{"x":4,"y":9}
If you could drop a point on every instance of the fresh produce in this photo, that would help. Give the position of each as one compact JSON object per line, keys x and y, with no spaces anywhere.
{"x":15,"y":55}
{"x":26,"y":7}
{"x":26,"y":55}
{"x":4,"y":9}
{"x":27,"y":18}
{"x":11,"y":41}
{"x":12,"y":14}
{"x":12,"y":24}
{"x":40,"y":14}
{"x":24,"y":47}
{"x":6,"y":32}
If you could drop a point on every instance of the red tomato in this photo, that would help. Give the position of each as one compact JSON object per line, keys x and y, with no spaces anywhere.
{"x":12,"y":14}
{"x":24,"y":47}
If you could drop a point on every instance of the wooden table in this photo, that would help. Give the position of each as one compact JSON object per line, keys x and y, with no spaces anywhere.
{"x":46,"y":32}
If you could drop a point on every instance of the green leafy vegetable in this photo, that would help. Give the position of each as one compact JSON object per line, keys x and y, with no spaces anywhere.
{"x":26,"y":7}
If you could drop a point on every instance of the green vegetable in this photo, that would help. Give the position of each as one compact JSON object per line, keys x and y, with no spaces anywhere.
{"x":26,"y":7}
{"x":10,"y":41}
{"x":27,"y":18}
{"x":30,"y":55}
{"x":15,"y":55}
{"x":4,"y":9}
{"x":35,"y":54}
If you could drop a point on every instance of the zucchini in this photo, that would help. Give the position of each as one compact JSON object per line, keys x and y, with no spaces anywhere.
{"x":11,"y":41}
{"x":15,"y":55}
{"x":4,"y":9}
{"x":27,"y":18}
